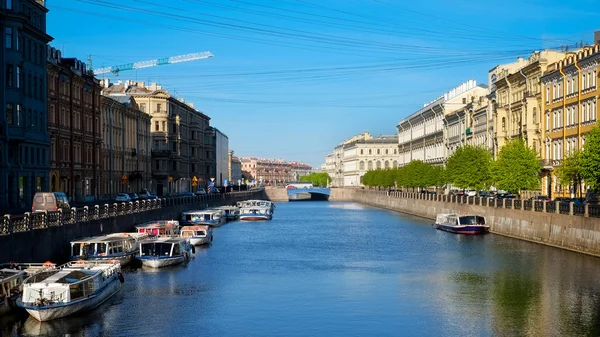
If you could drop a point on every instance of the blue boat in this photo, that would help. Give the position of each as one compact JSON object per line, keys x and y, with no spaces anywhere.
{"x":461,"y":224}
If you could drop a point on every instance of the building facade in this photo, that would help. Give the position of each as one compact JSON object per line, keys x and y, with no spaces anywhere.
{"x":424,"y":134}
{"x":362,"y":155}
{"x":24,"y":138}
{"x":518,"y":106}
{"x":468,"y":125}
{"x":126,"y":146}
{"x":270,"y":172}
{"x":299,"y":170}
{"x":181,"y":141}
{"x":74,"y":127}
{"x":570,"y":110}
{"x":334,"y":162}
{"x":220,"y":151}
{"x":236,"y":169}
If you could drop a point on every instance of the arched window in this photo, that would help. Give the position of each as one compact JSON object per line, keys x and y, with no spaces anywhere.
{"x":378,"y":151}
{"x":535,"y":115}
{"x":369,"y":151}
{"x":386,"y":151}
{"x":378,"y":164}
{"x":395,"y":164}
{"x":387,"y":164}
{"x":361,"y":165}
{"x":361,"y":151}
{"x":370,"y":165}
{"x":503,"y":123}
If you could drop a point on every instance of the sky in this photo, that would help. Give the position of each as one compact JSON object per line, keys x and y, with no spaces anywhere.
{"x":292,"y":79}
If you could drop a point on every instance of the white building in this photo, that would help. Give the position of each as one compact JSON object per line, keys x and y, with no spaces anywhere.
{"x":221,"y":144}
{"x":424,"y":134}
{"x":362,"y":155}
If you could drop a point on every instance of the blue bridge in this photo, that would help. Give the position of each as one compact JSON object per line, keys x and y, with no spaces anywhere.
{"x":309,"y":193}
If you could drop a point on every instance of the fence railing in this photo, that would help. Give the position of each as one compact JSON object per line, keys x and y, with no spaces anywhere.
{"x":556,"y":207}
{"x":29,"y":221}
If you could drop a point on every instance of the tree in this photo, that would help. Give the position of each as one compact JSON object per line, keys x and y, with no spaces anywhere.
{"x":517,"y":167}
{"x":317,"y":179}
{"x":469,"y":167}
{"x":569,"y":172}
{"x":589,"y":159}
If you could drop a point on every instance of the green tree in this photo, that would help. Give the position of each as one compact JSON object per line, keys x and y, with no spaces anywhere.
{"x":469,"y":167}
{"x":569,"y":172}
{"x":517,"y":167}
{"x":589,"y":160}
{"x":318,"y":179}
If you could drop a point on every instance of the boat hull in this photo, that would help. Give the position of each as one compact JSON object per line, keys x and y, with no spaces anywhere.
{"x":153,"y":262}
{"x":469,"y":230}
{"x":52,"y":312}
{"x":197,"y":241}
{"x":255,"y":217}
{"x":123,"y":259}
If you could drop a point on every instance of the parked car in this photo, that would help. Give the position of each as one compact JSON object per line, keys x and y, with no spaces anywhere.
{"x":122,"y":197}
{"x":133,"y":196}
{"x":200,"y":191}
{"x":143,"y":194}
{"x":50,"y":201}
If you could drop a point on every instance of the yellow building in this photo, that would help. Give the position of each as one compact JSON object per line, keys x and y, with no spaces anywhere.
{"x":517,"y":111}
{"x":570,"y":110}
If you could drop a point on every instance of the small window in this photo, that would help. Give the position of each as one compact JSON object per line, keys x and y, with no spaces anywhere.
{"x":9,"y":37}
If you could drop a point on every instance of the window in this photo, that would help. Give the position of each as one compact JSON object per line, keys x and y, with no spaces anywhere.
{"x":547,"y":94}
{"x":164,"y":126}
{"x":386,"y":151}
{"x":143,"y":107}
{"x":8,"y":4}
{"x":361,"y":152}
{"x":583,"y":81}
{"x":18,"y":115}
{"x":174,"y":147}
{"x":18,"y":77}
{"x":156,"y":126}
{"x":9,"y":37}
{"x":361,"y":165}
{"x":378,"y":151}
{"x":503,"y":123}
{"x":9,"y":75}
{"x":9,"y":113}
{"x":158,"y":107}
{"x":548,"y":121}
{"x":369,"y":151}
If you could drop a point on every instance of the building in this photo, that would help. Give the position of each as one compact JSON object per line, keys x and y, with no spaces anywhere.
{"x":126,"y":146}
{"x":235,"y":169}
{"x":424,"y":134}
{"x":181,"y":138}
{"x":220,"y":152}
{"x":74,"y":127}
{"x":468,"y":125}
{"x":334,"y":162}
{"x":270,"y":172}
{"x":299,"y":170}
{"x":570,"y":110}
{"x":362,"y":155}
{"x":518,"y":105}
{"x":24,"y":138}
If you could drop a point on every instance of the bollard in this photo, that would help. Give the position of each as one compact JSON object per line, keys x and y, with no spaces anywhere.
{"x":570,"y":208}
{"x":557,"y":207}
{"x":586,"y":210}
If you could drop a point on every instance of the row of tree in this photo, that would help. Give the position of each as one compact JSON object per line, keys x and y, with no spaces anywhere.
{"x":517,"y":168}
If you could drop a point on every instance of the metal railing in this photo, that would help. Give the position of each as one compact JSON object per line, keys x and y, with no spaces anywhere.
{"x":29,"y":221}
{"x":554,"y":207}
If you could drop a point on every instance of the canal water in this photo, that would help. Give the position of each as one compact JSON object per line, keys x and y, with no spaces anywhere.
{"x":343,"y":269}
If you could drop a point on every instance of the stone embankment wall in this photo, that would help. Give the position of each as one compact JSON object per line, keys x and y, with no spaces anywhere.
{"x":276,"y":194}
{"x":53,"y":243}
{"x":573,"y":232}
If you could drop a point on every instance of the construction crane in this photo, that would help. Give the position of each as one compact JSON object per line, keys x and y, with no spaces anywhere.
{"x":151,"y":63}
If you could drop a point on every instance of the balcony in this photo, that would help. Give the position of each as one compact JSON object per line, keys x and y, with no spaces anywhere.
{"x":546,"y":164}
{"x":161,"y":153}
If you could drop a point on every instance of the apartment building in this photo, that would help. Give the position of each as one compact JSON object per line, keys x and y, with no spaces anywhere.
{"x":270,"y":172}
{"x":362,"y":155}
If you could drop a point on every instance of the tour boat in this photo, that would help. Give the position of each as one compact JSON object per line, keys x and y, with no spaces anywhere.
{"x":117,"y":246}
{"x":159,"y":228}
{"x":12,"y":276}
{"x":165,"y":251}
{"x":71,"y":288}
{"x":197,"y":235}
{"x":257,"y":203}
{"x":254,"y":213}
{"x":211,"y":217}
{"x":231,"y":212}
{"x":461,"y":224}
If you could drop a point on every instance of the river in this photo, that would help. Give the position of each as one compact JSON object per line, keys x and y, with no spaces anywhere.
{"x":343,"y":269}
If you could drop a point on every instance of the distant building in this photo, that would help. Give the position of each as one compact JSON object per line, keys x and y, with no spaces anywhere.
{"x":271,"y":171}
{"x":362,"y":155}
{"x":334,"y":162}
{"x":300,"y":169}
{"x":220,"y":145}
{"x":24,"y":138}
{"x":236,"y":169}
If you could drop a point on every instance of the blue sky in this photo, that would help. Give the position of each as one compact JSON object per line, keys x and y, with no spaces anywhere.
{"x":292,"y":79}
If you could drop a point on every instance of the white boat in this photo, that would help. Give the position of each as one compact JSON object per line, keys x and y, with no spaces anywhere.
{"x":71,"y":288}
{"x":165,"y":251}
{"x":231,"y":212}
{"x":159,"y":228}
{"x":197,"y":235}
{"x":257,"y":203}
{"x":461,"y":224}
{"x":117,"y":246}
{"x":254,"y":213}
{"x":12,"y":276}
{"x":212,"y":217}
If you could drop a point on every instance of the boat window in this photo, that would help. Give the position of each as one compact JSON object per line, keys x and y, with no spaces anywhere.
{"x":76,"y":291}
{"x":467,"y":220}
{"x":88,"y":287}
{"x":176,"y":250}
{"x":76,"y":249}
{"x":156,"y":249}
{"x":480,"y":220}
{"x":187,"y":234}
{"x":101,"y":248}
{"x":200,"y":233}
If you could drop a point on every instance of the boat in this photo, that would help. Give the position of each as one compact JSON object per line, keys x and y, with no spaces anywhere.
{"x":231,"y":212}
{"x":197,"y":235}
{"x":212,"y":217}
{"x":461,"y":224}
{"x":12,"y":276}
{"x":159,"y":228}
{"x":259,"y":203}
{"x":254,"y":213}
{"x":71,"y":288}
{"x":117,"y":246}
{"x":165,"y":251}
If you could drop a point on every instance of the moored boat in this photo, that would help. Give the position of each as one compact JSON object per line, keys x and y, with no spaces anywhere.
{"x":197,"y":235}
{"x":117,"y":246}
{"x":255,"y":213}
{"x":461,"y":224}
{"x":257,"y":203}
{"x":12,"y":276}
{"x":231,"y":212}
{"x":159,"y":228}
{"x":165,"y":251}
{"x":212,"y":217}
{"x":71,"y":288}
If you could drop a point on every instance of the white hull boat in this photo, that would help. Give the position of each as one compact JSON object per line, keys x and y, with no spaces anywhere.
{"x":165,"y":251}
{"x":163,"y":262}
{"x":197,"y":235}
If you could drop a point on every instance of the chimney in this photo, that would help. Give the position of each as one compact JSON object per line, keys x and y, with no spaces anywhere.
{"x":597,"y":36}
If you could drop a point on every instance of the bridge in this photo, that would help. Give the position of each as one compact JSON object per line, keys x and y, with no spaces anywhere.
{"x":308,"y":193}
